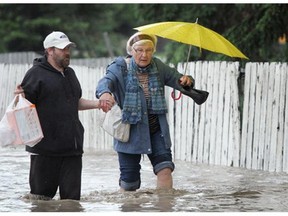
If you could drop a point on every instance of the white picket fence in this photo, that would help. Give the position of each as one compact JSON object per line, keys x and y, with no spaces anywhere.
{"x":18,"y":57}
{"x":264,"y":143}
{"x":210,"y":133}
{"x":95,"y":137}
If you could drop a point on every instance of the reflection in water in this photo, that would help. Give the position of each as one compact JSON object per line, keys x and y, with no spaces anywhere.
{"x":46,"y":204}
{"x":248,"y":194}
{"x":198,"y":188}
{"x":153,"y":201}
{"x":141,"y":200}
{"x":56,"y":206}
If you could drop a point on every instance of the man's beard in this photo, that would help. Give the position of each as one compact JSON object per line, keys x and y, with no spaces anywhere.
{"x":63,"y":62}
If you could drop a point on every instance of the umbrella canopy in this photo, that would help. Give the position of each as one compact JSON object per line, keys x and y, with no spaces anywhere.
{"x":193,"y":34}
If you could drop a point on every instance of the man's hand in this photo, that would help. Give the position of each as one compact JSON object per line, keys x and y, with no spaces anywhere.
{"x":19,"y":90}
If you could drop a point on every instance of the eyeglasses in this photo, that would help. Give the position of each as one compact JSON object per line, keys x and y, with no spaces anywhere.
{"x":141,"y":51}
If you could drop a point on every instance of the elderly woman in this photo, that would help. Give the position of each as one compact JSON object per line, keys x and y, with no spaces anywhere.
{"x":137,"y":84}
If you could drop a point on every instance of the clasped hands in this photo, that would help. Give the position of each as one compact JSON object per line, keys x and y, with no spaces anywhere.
{"x":106,"y":102}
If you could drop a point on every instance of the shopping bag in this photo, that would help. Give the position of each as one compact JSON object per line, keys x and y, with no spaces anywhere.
{"x":112,"y":123}
{"x":23,"y":119}
{"x":7,"y":135}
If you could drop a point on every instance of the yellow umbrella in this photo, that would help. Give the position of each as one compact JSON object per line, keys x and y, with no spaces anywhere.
{"x":196,"y":35}
{"x":193,"y":34}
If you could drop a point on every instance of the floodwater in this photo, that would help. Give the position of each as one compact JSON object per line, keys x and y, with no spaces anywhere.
{"x":197,"y":188}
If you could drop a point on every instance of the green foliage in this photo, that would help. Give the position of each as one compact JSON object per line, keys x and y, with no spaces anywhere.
{"x":253,"y":28}
{"x":259,"y":30}
{"x":23,"y":27}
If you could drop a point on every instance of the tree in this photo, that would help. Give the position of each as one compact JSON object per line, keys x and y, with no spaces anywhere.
{"x":258,"y":30}
{"x":23,"y":27}
{"x":254,"y":28}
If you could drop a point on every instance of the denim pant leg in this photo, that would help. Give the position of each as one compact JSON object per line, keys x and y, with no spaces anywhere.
{"x":161,"y":156}
{"x":129,"y":171}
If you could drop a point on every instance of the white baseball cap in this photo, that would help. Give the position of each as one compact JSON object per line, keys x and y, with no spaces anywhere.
{"x":57,"y":39}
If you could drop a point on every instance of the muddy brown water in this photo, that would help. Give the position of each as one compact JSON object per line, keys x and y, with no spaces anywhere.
{"x":197,"y":188}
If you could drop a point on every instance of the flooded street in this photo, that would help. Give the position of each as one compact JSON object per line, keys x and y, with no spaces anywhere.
{"x":198,"y":188}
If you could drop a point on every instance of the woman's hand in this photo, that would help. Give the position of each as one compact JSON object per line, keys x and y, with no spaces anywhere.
{"x":185,"y":81}
{"x":106,"y":101}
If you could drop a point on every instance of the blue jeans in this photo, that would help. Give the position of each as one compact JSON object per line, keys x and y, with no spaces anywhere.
{"x":160,"y":158}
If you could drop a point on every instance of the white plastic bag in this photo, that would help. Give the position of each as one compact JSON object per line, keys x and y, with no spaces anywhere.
{"x":113,"y":125}
{"x":23,"y":120}
{"x":7,"y":135}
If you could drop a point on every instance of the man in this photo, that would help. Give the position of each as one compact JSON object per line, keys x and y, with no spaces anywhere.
{"x":56,"y":161}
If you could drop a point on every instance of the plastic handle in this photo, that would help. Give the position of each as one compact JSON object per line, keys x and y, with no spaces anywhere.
{"x":174,"y":97}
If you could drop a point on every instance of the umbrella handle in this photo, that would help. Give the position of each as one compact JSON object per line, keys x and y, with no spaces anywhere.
{"x":174,"y":97}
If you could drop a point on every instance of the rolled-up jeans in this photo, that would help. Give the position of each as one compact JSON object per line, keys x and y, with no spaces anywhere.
{"x":160,"y":158}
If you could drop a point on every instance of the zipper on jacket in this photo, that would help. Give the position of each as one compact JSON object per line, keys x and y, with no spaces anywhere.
{"x":75,"y":142}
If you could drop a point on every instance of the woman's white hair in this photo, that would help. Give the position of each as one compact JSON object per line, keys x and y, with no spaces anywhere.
{"x":140,"y":38}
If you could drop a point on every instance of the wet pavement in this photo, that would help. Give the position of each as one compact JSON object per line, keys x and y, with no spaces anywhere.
{"x":197,"y":188}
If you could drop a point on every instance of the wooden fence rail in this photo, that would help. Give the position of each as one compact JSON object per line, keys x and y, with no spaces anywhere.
{"x":211,"y":133}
